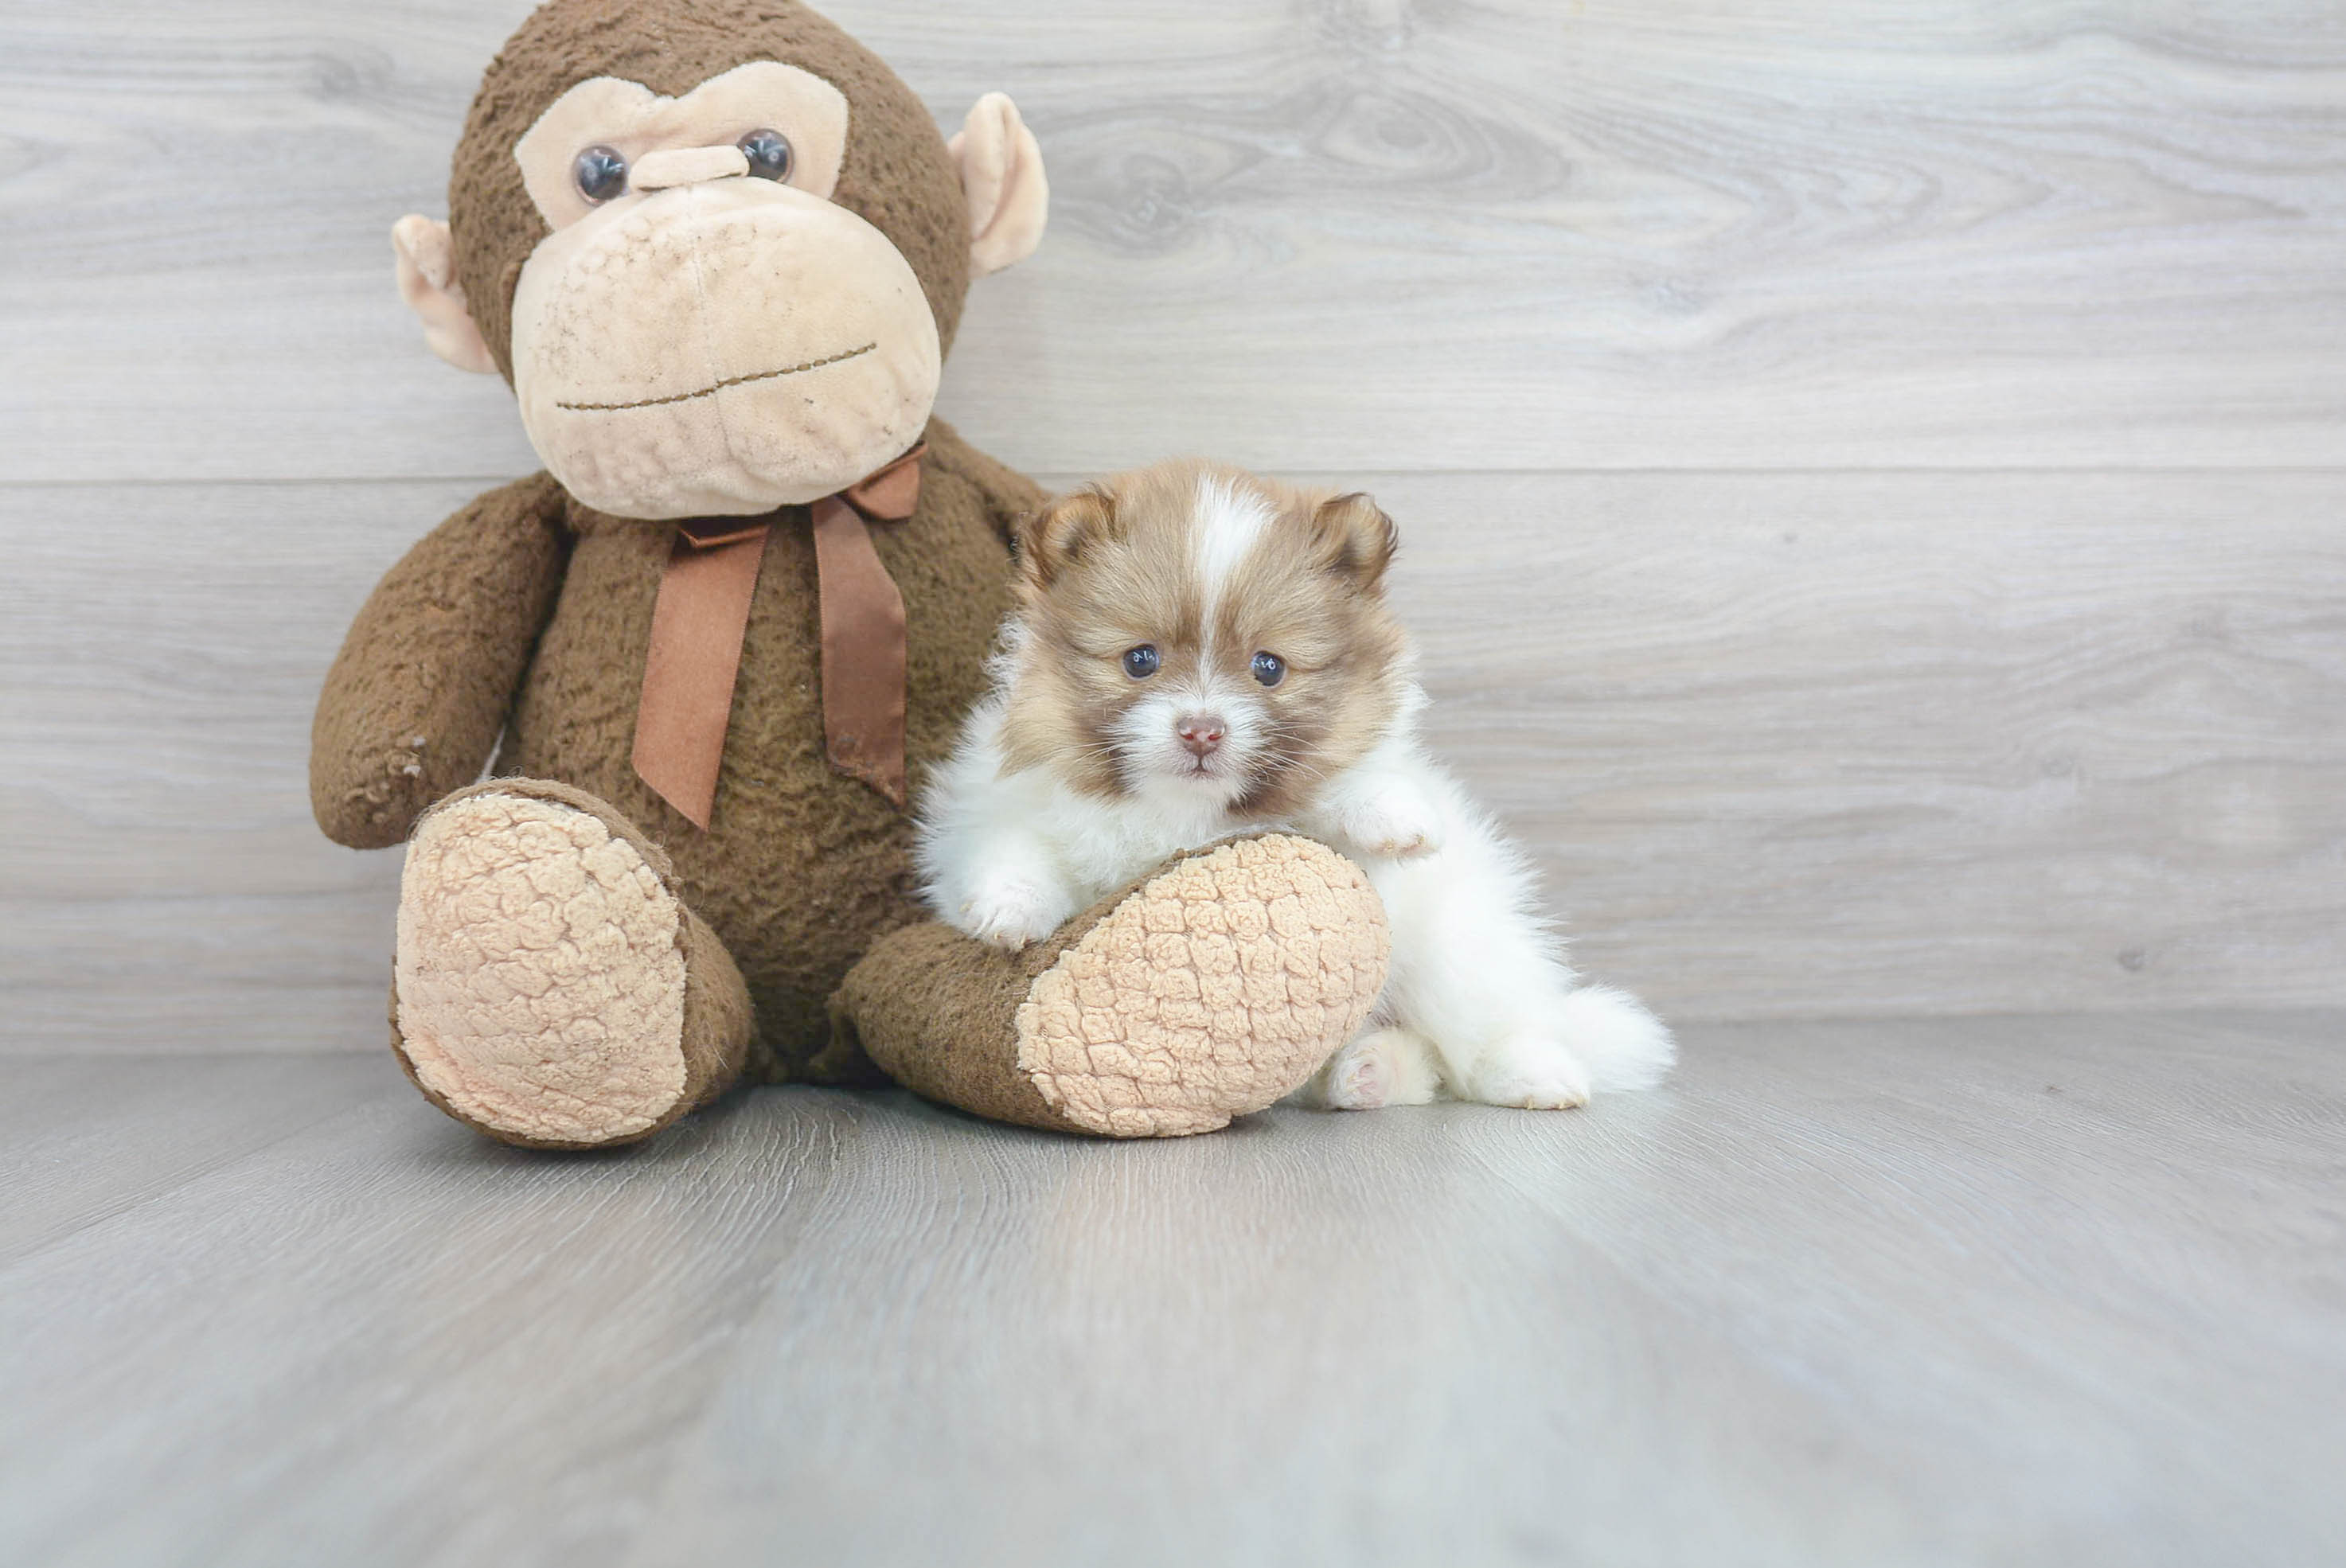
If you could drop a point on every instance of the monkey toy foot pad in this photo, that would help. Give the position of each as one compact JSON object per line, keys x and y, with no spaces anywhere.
{"x":551,"y":990}
{"x":1210,"y":988}
{"x":554,"y":992}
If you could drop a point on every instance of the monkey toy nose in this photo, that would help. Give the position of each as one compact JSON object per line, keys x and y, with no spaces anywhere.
{"x":1202,"y":733}
{"x":672,"y":167}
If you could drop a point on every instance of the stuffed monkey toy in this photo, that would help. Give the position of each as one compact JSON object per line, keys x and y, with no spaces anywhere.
{"x":718,"y":250}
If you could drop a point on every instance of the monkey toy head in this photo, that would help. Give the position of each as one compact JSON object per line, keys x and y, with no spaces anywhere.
{"x":716,"y":245}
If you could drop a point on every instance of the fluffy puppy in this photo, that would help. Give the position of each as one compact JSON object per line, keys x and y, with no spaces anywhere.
{"x":1198,"y":652}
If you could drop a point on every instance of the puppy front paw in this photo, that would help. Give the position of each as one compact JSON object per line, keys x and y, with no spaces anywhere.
{"x":1395,"y":824}
{"x":1011,"y":911}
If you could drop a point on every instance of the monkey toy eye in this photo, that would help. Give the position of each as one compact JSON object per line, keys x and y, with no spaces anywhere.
{"x":601,"y":174}
{"x":1269,"y":669}
{"x":1140,"y":663}
{"x":768,"y":152}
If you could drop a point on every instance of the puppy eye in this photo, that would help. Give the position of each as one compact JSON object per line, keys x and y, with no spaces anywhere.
{"x":1269,"y":669}
{"x":601,"y":174}
{"x":768,"y":152}
{"x":1140,"y":663}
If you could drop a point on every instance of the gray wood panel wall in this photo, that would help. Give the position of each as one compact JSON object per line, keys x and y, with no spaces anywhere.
{"x":1871,"y":483}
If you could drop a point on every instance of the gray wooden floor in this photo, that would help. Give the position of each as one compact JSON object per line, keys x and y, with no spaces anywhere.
{"x":2060,"y":1290}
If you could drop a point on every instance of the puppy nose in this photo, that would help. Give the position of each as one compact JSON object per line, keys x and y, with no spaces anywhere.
{"x":1202,"y":733}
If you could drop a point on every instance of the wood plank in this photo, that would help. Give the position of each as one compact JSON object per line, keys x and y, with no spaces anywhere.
{"x":2012,"y":1291}
{"x":84,"y":1139}
{"x":1803,"y":745}
{"x":2003,"y":1354}
{"x":160,"y":653}
{"x":1784,"y":745}
{"x":376,"y":1279}
{"x":1373,"y":234}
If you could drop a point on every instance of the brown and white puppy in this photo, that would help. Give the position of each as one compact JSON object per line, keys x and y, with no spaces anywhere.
{"x":1198,"y":651}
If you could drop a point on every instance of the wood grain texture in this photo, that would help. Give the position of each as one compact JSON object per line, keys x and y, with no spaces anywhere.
{"x":1347,"y":233}
{"x":84,"y":1139}
{"x":161,"y":650}
{"x":1784,"y":745}
{"x":1799,"y":744}
{"x":2016,"y":1291}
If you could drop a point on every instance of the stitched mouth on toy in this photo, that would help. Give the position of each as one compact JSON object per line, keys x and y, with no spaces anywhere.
{"x":721,"y":386}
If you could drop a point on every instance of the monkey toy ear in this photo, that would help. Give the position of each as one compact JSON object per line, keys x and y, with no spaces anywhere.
{"x":427,"y":281}
{"x":1002,"y":175}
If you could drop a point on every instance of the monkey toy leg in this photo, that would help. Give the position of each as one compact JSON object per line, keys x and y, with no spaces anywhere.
{"x":554,"y":992}
{"x":552,"y":989}
{"x":1209,"y":988}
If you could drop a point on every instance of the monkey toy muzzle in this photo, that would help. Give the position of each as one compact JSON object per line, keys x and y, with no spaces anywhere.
{"x":719,"y":346}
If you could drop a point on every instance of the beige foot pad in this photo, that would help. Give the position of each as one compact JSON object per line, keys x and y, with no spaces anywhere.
{"x":1211,"y":989}
{"x":1217,"y":988}
{"x":541,"y":978}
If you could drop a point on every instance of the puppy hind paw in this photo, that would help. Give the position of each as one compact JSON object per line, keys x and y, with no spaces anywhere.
{"x":1359,"y":1081}
{"x":1382,"y":1067}
{"x":1533,"y":1076}
{"x":1535,"y":1091}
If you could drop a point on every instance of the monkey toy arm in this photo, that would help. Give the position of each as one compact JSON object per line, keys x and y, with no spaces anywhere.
{"x":416,"y":698}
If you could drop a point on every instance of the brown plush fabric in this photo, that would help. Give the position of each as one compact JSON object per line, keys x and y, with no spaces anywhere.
{"x":937,"y":1011}
{"x":414,"y":700}
{"x":803,"y":866}
{"x":718,"y":1024}
{"x":897,"y":175}
{"x":1210,"y":988}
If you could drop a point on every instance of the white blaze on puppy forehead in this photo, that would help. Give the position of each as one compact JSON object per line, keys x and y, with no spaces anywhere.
{"x":1228,"y":522}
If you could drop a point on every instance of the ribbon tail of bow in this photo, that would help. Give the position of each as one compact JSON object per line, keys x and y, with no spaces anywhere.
{"x":862,"y":652}
{"x":695,"y":654}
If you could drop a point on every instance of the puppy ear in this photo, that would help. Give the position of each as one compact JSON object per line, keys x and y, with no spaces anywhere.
{"x":427,"y":281}
{"x":1002,"y":175}
{"x":1051,"y":540}
{"x":1358,"y":540}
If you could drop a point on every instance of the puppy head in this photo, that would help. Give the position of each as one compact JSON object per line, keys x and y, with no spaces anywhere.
{"x":1201,"y":637}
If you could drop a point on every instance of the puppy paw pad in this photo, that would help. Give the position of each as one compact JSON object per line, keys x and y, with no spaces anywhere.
{"x":1362,"y":1084}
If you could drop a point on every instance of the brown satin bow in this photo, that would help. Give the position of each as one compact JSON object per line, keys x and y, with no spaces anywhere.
{"x":703,"y":611}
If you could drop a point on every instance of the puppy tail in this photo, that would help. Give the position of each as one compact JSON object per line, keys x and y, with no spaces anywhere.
{"x":1623,"y":1045}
